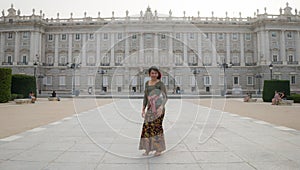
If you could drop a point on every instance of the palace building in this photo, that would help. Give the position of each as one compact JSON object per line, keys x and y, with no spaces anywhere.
{"x":197,"y":54}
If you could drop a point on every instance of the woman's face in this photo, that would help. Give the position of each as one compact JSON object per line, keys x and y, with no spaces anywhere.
{"x":153,"y":74}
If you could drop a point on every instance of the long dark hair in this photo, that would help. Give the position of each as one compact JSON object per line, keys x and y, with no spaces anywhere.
{"x":155,"y":69}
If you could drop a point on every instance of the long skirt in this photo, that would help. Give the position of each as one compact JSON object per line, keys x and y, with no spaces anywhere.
{"x":152,"y":137}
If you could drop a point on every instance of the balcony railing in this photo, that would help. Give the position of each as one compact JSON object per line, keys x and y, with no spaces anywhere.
{"x":104,"y":64}
{"x":118,"y":64}
{"x":250,"y":64}
{"x":292,"y":62}
{"x":277,"y":62}
{"x":48,"y":64}
{"x":7,"y":63}
{"x":236,"y":64}
{"x":62,"y":64}
{"x":90,"y":64}
{"x":193,"y":64}
{"x":22,"y":63}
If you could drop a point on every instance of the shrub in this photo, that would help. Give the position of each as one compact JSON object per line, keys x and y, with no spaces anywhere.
{"x":23,"y":84}
{"x":295,"y":97}
{"x":5,"y":84}
{"x":270,"y":86}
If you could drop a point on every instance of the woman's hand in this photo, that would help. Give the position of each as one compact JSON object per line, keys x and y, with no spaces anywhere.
{"x":143,"y":113}
{"x":159,"y":111}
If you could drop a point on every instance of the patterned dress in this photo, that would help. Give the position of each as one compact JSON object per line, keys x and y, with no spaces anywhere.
{"x":152,"y":137}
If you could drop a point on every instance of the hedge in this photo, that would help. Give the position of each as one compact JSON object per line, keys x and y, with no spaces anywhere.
{"x":270,"y":86}
{"x":23,"y":84}
{"x":5,"y":84}
{"x":295,"y":97}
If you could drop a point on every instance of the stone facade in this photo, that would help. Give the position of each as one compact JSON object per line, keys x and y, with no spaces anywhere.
{"x":96,"y":55}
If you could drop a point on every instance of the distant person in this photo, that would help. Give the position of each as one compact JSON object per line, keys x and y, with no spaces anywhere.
{"x":247,"y":98}
{"x":32,"y":97}
{"x":283,"y":95}
{"x":276,"y":98}
{"x":53,"y":93}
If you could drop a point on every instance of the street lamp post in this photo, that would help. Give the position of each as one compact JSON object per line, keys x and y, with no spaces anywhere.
{"x":225,"y":65}
{"x":259,"y":76}
{"x":73,"y":66}
{"x":271,"y":68}
{"x":35,"y":64}
{"x":102,"y":72}
{"x":195,"y":72}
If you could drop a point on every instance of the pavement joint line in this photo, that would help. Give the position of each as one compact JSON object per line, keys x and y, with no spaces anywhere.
{"x":284,"y":128}
{"x":55,"y":123}
{"x":11,"y":138}
{"x":38,"y":129}
{"x":262,"y":122}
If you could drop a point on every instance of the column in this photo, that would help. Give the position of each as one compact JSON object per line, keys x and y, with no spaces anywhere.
{"x":267,"y":47}
{"x":170,"y":53}
{"x":185,"y":58}
{"x":127,"y":57}
{"x":2,"y":40}
{"x":17,"y":46}
{"x":112,"y":49}
{"x":262,"y":48}
{"x":156,"y":60}
{"x":227,"y":48}
{"x":214,"y":50}
{"x":141,"y":50}
{"x":199,"y":45}
{"x":242,"y":49}
{"x":33,"y":41}
{"x":56,"y":39}
{"x":83,"y":50}
{"x":297,"y":56}
{"x":98,"y":49}
{"x":259,"y":53}
{"x":70,"y":44}
{"x":282,"y":48}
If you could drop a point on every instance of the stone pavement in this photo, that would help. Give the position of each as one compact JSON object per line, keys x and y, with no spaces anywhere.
{"x":197,"y":137}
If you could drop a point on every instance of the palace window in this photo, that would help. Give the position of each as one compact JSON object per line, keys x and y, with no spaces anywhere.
{"x":50,"y":37}
{"x":293,"y":79}
{"x":291,"y":58}
{"x":63,"y":37}
{"x":49,"y":80}
{"x":120,"y":36}
{"x":289,"y":35}
{"x":91,"y":80}
{"x":234,"y":36}
{"x":91,"y":36}
{"x":177,"y":35}
{"x":275,"y":58}
{"x":273,"y":34}
{"x":192,"y":35}
{"x":134,"y":36}
{"x":77,"y":36}
{"x":220,"y":36}
{"x":206,"y":35}
{"x":249,"y":80}
{"x":25,"y":35}
{"x":9,"y":35}
{"x":236,"y":80}
{"x":248,"y":37}
{"x":207,"y":80}
{"x":163,"y":36}
{"x":62,"y":80}
{"x":105,"y":36}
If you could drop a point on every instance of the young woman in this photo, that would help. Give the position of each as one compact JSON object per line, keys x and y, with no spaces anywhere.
{"x":155,"y":98}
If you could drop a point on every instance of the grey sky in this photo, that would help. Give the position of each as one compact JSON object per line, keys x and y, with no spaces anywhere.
{"x":65,"y":7}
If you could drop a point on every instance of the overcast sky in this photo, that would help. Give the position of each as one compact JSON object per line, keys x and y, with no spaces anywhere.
{"x":65,"y":7}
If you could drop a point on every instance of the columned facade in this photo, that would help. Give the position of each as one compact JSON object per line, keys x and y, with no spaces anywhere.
{"x":112,"y":55}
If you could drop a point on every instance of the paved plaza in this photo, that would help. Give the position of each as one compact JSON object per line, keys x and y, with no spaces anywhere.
{"x":107,"y":137}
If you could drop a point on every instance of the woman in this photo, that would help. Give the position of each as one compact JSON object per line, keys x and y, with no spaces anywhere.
{"x":155,"y":98}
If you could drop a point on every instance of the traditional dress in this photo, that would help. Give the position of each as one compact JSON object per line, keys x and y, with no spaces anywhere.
{"x":152,"y":137}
